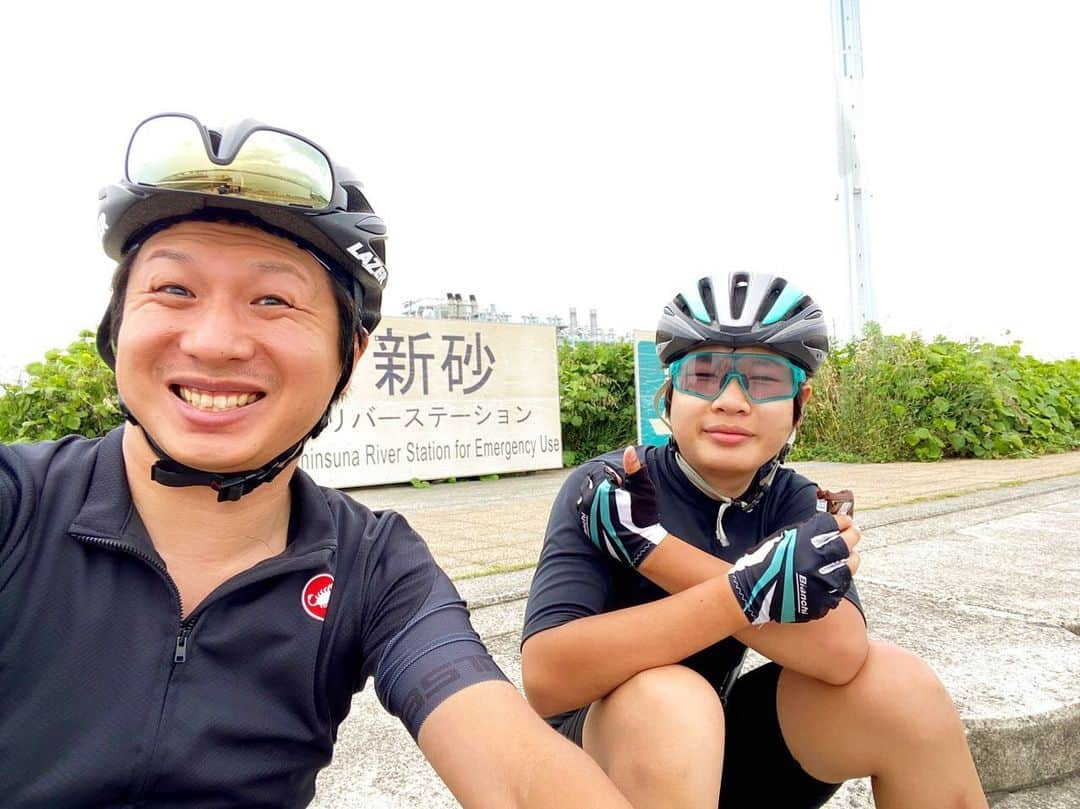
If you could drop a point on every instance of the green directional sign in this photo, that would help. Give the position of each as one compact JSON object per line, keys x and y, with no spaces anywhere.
{"x":648,"y":377}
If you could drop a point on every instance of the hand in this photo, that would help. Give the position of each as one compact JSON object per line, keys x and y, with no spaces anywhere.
{"x":619,"y":515}
{"x":799,"y":574}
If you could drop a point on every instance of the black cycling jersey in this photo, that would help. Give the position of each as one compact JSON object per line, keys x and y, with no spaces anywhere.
{"x":575,"y":579}
{"x":108,"y":698}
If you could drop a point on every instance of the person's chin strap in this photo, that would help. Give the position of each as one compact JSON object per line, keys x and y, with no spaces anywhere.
{"x":759,"y":489}
{"x":230,"y":486}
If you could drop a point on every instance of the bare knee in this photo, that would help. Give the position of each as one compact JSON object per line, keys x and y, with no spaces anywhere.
{"x":901,"y":694}
{"x":662,"y":725}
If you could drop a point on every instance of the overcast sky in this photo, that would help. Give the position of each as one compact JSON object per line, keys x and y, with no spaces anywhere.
{"x":596,"y":155}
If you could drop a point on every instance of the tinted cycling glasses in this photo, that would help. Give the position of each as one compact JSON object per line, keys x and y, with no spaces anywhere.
{"x":253,"y":162}
{"x":763,"y":377}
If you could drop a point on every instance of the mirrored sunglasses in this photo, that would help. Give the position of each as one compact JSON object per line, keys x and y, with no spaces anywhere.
{"x":271,"y":165}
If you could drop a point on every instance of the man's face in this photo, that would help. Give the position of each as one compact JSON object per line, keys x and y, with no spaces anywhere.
{"x":228,"y":349}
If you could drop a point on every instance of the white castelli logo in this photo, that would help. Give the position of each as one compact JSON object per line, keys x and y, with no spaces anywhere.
{"x":369,"y":261}
{"x":315,"y":598}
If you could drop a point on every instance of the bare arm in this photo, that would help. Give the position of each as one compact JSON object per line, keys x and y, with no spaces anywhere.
{"x":494,"y":752}
{"x":605,"y":650}
{"x":831,"y":649}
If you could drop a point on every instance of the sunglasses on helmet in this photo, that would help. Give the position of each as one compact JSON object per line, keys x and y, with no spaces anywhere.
{"x":763,"y":377}
{"x":257,"y":162}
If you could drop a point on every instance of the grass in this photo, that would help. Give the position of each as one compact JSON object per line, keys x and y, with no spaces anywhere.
{"x":962,"y":492}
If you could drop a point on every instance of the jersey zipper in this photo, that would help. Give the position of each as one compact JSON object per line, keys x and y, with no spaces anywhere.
{"x":187,"y":625}
{"x":123,"y":547}
{"x":179,"y":655}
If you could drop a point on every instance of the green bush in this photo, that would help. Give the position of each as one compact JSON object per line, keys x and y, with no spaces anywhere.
{"x":885,"y":398}
{"x":879,"y":398}
{"x":71,"y":392}
{"x":596,"y":391}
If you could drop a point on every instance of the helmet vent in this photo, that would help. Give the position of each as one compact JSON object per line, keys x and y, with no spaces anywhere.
{"x":355,"y":199}
{"x":708,"y":298}
{"x":740,"y":285}
{"x":770,"y":299}
{"x":379,"y":246}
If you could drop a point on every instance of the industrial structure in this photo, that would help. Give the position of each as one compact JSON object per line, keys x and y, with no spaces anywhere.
{"x":456,"y":307}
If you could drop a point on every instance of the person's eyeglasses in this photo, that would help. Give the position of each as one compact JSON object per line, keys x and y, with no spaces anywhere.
{"x":270,"y":165}
{"x":763,"y":377}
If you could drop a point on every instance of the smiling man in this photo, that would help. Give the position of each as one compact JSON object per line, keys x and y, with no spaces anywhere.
{"x":184,"y":615}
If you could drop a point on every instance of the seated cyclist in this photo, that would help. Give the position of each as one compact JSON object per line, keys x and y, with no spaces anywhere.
{"x":661,"y":565}
{"x":184,"y":615}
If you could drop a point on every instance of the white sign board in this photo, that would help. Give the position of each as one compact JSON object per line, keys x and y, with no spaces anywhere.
{"x":435,"y":399}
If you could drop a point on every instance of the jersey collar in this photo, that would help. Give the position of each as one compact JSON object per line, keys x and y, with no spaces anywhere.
{"x":107,"y":511}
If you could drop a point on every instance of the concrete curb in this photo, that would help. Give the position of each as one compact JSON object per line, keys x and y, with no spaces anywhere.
{"x":1025,"y":751}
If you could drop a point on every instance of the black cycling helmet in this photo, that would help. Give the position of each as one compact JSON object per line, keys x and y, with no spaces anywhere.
{"x":751,"y":309}
{"x":254,"y":170}
{"x":253,"y":174}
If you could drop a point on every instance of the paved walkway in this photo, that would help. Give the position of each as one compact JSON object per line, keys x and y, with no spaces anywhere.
{"x":958,"y":577}
{"x":482,"y":527}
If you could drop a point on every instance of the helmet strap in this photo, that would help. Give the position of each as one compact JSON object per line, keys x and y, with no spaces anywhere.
{"x":230,"y":486}
{"x":758,"y":490}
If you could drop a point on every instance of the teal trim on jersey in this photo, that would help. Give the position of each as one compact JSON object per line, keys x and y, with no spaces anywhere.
{"x":605,"y":515}
{"x":787,"y":612}
{"x":788,"y":298}
{"x":594,"y":520}
{"x":770,"y":572}
{"x":696,"y":304}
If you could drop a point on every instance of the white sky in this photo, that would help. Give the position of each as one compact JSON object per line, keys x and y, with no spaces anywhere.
{"x":584,"y":154}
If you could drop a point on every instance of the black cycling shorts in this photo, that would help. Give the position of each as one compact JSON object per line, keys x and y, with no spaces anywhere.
{"x":759,"y":770}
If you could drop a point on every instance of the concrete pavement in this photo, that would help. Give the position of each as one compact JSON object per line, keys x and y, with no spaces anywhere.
{"x":481,"y":527}
{"x":981,"y":585}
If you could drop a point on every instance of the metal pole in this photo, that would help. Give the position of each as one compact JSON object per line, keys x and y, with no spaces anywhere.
{"x":847,"y":47}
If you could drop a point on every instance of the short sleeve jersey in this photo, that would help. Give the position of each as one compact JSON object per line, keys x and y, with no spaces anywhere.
{"x":109,"y":698}
{"x":574,"y":579}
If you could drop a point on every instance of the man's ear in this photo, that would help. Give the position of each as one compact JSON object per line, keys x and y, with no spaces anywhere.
{"x":360,"y":345}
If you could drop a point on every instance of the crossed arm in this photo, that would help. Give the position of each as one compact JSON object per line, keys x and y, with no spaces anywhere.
{"x":831,"y":649}
{"x":606,"y":649}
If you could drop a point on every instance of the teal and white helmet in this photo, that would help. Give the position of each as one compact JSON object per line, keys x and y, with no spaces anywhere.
{"x":750,"y":309}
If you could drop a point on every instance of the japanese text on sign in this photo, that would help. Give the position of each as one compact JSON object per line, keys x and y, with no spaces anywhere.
{"x":443,"y":398}
{"x":401,"y":360}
